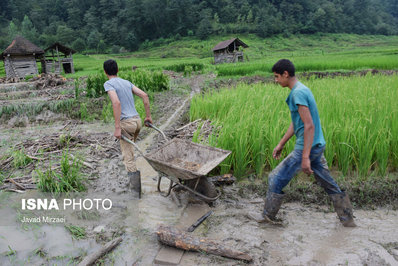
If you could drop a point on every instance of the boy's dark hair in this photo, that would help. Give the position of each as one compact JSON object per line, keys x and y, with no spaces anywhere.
{"x":110,"y":67}
{"x":284,"y":65}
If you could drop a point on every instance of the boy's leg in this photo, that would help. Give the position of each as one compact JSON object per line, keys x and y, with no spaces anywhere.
{"x":341,"y":202}
{"x":277,"y":180}
{"x":130,"y":128}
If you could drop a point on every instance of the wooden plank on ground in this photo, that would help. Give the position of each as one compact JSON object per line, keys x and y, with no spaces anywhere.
{"x":170,"y":255}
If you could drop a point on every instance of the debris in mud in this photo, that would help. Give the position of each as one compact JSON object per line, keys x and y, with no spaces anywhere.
{"x":51,"y":147}
{"x":187,"y":131}
{"x":227,"y":179}
{"x":5,"y":80}
{"x":48,"y":80}
{"x":173,"y":237}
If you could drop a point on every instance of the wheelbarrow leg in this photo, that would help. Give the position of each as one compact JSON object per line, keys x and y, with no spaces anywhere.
{"x":169,"y":190}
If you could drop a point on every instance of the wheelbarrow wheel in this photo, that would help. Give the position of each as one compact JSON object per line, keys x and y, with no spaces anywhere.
{"x":204,"y":187}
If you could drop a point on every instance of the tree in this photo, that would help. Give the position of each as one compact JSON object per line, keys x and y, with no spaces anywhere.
{"x":65,"y":34}
{"x":28,"y":30}
{"x":79,"y":45}
{"x":131,"y":42}
{"x":93,"y":39}
{"x":12,"y":30}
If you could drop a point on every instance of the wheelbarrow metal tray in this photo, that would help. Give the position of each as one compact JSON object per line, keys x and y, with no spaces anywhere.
{"x":186,"y":160}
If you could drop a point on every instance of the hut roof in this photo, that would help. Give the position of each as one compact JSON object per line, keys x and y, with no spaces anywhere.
{"x":21,"y":46}
{"x":225,"y":44}
{"x":61,"y":48}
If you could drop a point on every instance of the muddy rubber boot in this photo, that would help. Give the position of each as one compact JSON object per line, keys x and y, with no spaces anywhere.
{"x":343,"y":208}
{"x":273,"y":202}
{"x":135,"y":182}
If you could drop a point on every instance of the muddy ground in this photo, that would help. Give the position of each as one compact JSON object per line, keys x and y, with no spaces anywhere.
{"x":311,"y":234}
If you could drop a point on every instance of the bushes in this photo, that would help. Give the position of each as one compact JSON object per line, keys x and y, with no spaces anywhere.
{"x":145,"y":80}
{"x":184,"y":67}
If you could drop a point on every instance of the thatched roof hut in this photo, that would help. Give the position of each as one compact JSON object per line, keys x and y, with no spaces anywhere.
{"x":20,"y":58}
{"x":58,"y":57}
{"x":228,"y":51}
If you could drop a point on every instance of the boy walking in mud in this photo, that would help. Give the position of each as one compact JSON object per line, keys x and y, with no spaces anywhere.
{"x":127,"y":120}
{"x":308,"y":151}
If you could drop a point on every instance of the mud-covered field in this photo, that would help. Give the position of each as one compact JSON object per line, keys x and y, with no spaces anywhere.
{"x":311,"y":234}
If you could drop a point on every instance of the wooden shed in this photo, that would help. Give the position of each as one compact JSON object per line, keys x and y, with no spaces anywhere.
{"x":58,"y":57}
{"x":20,"y":58}
{"x":229,"y":51}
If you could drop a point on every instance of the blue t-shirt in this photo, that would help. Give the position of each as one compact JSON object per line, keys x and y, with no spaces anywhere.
{"x":124,"y":91}
{"x":301,"y":95}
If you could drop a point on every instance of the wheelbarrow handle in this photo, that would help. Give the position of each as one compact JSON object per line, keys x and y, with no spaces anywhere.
{"x":132,"y":143}
{"x":155,"y":128}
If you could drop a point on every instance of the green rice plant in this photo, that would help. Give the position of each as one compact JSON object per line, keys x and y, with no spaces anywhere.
{"x":107,"y":111}
{"x":358,"y":116}
{"x":186,"y":68}
{"x":95,"y":85}
{"x":84,"y":113}
{"x":147,"y":80}
{"x":77,"y":88}
{"x":70,"y":178}
{"x":20,"y":158}
{"x":77,"y":232}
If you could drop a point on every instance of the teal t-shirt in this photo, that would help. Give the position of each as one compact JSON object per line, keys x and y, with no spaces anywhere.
{"x":301,"y":95}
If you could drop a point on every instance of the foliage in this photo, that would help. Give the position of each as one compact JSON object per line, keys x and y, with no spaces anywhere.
{"x":69,"y":179}
{"x":185,"y":67}
{"x":357,"y":114}
{"x":95,"y":85}
{"x":131,"y":23}
{"x":77,"y":232}
{"x":20,"y":158}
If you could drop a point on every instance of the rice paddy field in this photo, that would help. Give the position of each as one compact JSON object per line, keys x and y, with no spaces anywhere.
{"x":358,"y":115}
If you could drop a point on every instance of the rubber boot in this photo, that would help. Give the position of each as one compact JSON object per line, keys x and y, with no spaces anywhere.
{"x":135,"y":182}
{"x":343,"y":208}
{"x":273,"y":202}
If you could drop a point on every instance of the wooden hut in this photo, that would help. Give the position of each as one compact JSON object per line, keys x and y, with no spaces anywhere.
{"x":58,"y":57}
{"x":20,"y":58}
{"x":228,"y":51}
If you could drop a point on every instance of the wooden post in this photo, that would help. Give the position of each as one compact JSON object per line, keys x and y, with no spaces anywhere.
{"x":59,"y":62}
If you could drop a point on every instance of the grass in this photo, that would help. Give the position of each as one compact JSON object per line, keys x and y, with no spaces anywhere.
{"x":20,"y":159}
{"x":358,"y":116}
{"x":70,"y":178}
{"x":77,"y":232}
{"x":314,"y":49}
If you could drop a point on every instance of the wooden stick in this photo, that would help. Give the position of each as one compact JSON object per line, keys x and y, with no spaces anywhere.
{"x":193,"y":122}
{"x":182,"y":240}
{"x":34,"y":158}
{"x":14,"y":190}
{"x":90,"y":259}
{"x":16,"y":184}
{"x":83,"y":162}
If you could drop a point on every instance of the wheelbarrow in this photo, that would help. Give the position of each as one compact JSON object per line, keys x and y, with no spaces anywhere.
{"x":185,"y":164}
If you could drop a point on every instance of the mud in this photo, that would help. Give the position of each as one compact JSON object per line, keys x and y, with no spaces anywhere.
{"x":311,"y":235}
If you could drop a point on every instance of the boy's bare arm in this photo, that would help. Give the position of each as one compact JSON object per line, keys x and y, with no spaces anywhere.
{"x":278,"y":149}
{"x":309,"y":130}
{"x":117,"y":110}
{"x":145,"y":99}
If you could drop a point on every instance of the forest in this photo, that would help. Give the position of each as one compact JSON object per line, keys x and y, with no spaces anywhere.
{"x":99,"y":26}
